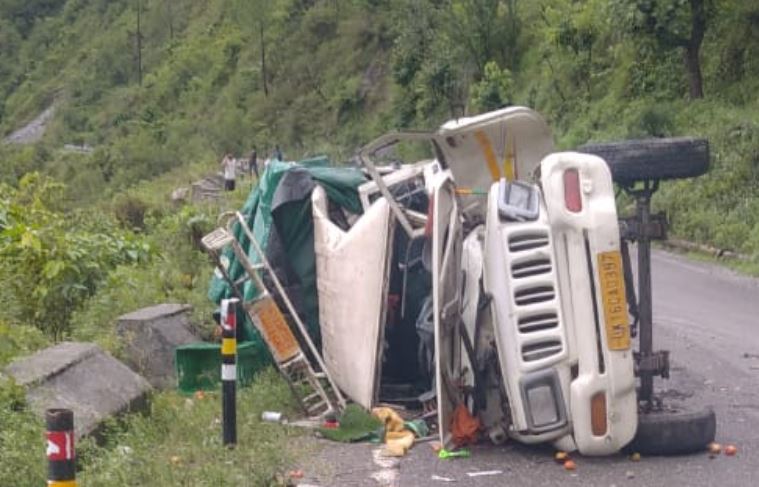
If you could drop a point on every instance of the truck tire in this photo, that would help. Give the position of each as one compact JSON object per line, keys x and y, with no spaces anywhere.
{"x":674,"y":432}
{"x":640,"y":160}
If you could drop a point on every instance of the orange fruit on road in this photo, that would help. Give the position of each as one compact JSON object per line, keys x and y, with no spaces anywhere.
{"x":570,"y":465}
{"x":714,"y":448}
{"x":561,"y":456}
{"x":730,"y":450}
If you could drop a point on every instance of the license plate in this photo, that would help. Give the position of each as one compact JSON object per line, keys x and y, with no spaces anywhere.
{"x":614,"y":300}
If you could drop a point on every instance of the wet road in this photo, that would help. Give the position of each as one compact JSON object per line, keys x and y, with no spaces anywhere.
{"x":708,"y":317}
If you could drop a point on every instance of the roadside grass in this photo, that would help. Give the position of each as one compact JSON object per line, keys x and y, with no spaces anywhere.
{"x":179,"y":442}
{"x":745,"y":267}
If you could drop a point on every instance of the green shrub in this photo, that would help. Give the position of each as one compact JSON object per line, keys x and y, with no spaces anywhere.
{"x":130,"y":212}
{"x":56,"y":260}
{"x":21,"y":439}
{"x":16,"y":340}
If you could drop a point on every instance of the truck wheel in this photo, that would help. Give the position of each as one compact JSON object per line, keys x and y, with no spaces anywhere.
{"x":638,"y":160}
{"x":674,"y":432}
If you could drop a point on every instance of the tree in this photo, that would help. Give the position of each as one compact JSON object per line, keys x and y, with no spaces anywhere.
{"x":485,"y":29}
{"x":493,"y":91}
{"x":137,"y":38}
{"x":256,"y":18}
{"x":139,"y":41}
{"x":675,"y":24}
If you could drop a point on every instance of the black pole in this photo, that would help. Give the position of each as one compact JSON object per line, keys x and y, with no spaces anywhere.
{"x":61,"y":456}
{"x":646,"y":344}
{"x":229,"y":371}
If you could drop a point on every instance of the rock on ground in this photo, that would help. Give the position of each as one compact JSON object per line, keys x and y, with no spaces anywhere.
{"x":81,"y":377}
{"x":150,"y":336}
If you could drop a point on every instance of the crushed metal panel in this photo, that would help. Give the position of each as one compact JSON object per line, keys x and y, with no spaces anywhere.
{"x":370,"y":189}
{"x":351,"y":272}
{"x":480,"y":150}
{"x":446,"y":292}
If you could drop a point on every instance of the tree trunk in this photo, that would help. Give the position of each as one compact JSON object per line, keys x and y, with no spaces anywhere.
{"x":171,"y":19}
{"x":263,"y":59}
{"x":693,"y":68}
{"x":513,"y":35}
{"x":139,"y":42}
{"x":692,"y":49}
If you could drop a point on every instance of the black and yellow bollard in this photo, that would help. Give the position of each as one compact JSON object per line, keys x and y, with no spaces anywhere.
{"x":61,"y":456}
{"x":229,"y":370}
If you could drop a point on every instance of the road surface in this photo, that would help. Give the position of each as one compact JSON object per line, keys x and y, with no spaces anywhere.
{"x":707,"y":316}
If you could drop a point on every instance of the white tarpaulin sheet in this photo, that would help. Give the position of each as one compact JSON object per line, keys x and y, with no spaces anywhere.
{"x":351,"y":270}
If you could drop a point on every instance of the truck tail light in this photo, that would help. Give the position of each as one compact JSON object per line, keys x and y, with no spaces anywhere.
{"x":598,"y":424}
{"x":572,"y":196}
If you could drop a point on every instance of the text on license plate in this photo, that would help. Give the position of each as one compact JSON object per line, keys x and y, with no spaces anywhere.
{"x":614,"y":301}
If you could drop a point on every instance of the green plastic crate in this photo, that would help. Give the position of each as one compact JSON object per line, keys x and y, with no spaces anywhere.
{"x":198,"y":365}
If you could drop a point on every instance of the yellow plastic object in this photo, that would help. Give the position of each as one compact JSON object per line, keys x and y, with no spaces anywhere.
{"x":398,"y":439}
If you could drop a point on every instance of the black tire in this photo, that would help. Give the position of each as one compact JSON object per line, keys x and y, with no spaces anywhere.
{"x":639,"y":160}
{"x":674,"y":432}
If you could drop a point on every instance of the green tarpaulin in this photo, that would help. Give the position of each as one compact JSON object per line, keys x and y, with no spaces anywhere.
{"x":278,"y":212}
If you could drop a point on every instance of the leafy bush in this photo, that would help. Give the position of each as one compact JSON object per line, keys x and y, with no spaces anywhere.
{"x":130,"y":212}
{"x":21,"y":438}
{"x":177,"y":272}
{"x":56,"y":261}
{"x":16,"y":340}
{"x":494,"y":90}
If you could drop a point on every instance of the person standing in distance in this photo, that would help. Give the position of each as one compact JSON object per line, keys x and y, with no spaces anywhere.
{"x":229,"y":163}
{"x":277,"y":153}
{"x":253,"y":163}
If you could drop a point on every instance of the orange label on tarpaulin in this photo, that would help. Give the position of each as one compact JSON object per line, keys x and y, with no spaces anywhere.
{"x":276,"y":331}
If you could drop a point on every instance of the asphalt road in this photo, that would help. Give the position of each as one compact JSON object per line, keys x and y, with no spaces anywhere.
{"x":707,"y":316}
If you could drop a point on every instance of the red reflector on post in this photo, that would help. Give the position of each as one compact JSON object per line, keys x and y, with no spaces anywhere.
{"x":229,"y":313}
{"x":572,"y":196}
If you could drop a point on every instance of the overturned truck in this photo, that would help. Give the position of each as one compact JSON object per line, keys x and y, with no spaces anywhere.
{"x":488,"y":277}
{"x":529,"y":324}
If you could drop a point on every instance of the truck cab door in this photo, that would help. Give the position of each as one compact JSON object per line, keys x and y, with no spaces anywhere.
{"x":446,"y":236}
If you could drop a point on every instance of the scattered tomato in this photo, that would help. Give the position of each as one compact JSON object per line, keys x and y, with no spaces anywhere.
{"x":730,"y":450}
{"x":570,"y":465}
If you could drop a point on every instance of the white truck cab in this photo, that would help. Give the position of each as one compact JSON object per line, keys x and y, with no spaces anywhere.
{"x":520,"y":247}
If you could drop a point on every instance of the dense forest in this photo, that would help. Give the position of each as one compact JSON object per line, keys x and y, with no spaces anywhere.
{"x":138,"y":97}
{"x":153,"y":84}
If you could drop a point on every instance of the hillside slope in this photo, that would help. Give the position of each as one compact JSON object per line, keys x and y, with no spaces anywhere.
{"x":155,"y":84}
